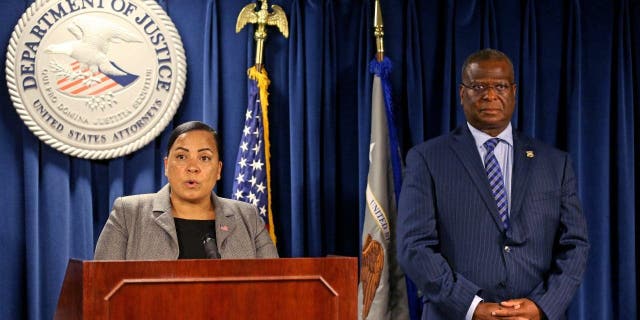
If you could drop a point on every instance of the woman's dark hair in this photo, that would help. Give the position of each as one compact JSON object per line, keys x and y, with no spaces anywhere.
{"x":193,"y":126}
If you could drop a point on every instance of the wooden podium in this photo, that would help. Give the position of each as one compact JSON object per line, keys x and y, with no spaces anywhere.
{"x":296,"y":288}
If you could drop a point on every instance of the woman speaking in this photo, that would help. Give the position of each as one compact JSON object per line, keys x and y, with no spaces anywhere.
{"x":185,"y":219}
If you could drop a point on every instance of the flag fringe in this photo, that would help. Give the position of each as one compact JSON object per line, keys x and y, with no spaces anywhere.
{"x":263,"y":84}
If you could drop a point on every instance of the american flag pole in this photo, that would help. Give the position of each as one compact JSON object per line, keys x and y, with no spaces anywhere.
{"x":253,"y":170}
{"x":252,"y":183}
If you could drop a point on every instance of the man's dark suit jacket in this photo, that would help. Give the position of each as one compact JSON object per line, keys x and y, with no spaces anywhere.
{"x":451,"y":241}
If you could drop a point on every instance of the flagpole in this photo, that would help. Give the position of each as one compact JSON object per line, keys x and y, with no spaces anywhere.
{"x":378,"y":31}
{"x":413,"y":301}
{"x":261,"y":18}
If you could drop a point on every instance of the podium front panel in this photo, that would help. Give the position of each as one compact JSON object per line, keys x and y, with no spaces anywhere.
{"x":298,"y":288}
{"x":225,"y":298}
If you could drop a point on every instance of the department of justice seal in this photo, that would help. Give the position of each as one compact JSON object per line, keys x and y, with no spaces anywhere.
{"x":95,"y":79}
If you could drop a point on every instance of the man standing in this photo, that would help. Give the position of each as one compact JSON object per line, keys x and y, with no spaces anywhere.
{"x":489,"y":221}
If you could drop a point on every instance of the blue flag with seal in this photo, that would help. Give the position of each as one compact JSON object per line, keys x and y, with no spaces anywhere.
{"x":382,"y":292}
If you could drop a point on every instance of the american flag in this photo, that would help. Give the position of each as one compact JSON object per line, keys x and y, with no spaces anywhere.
{"x":250,"y":179}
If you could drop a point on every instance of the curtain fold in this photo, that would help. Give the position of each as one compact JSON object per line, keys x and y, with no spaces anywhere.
{"x":577,"y":66}
{"x":417,"y":77}
{"x":315,"y":31}
{"x":622,"y":159}
{"x":527,"y":78}
{"x":295,"y":225}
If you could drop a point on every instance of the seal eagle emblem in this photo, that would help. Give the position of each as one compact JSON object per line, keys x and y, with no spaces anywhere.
{"x":90,"y":52}
{"x":75,"y":83}
{"x":370,"y":272}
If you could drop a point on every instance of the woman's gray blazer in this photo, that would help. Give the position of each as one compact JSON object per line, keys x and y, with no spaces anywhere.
{"x":141,"y":227}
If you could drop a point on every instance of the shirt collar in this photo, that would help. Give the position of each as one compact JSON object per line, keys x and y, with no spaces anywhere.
{"x":480,"y":137}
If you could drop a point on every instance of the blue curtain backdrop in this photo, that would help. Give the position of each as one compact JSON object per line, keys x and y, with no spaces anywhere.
{"x":577,"y":65}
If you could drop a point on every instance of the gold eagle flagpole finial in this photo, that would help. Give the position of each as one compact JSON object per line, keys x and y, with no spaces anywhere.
{"x":378,"y":32}
{"x":262,"y":18}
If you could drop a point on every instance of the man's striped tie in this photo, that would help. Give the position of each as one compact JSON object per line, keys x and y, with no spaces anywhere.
{"x":496,"y":181}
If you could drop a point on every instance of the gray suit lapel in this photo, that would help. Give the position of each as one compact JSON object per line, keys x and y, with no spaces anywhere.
{"x":225,"y":226}
{"x":464,"y":147}
{"x":162,"y":213}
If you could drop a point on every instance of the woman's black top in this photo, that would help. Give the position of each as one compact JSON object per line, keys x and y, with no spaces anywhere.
{"x":191,"y":236}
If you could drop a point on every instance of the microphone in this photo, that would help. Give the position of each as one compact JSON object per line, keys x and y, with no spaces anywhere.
{"x":210,"y":246}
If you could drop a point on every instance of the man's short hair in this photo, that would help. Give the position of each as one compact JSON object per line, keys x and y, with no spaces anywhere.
{"x":484,"y":55}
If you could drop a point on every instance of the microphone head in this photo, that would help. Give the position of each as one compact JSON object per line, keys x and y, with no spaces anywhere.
{"x":210,"y":246}
{"x":209,"y":236}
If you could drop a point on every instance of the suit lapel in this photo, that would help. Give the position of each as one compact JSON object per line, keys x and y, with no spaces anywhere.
{"x":523,"y":157}
{"x":464,"y":147}
{"x":162,"y":213}
{"x":225,"y":225}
